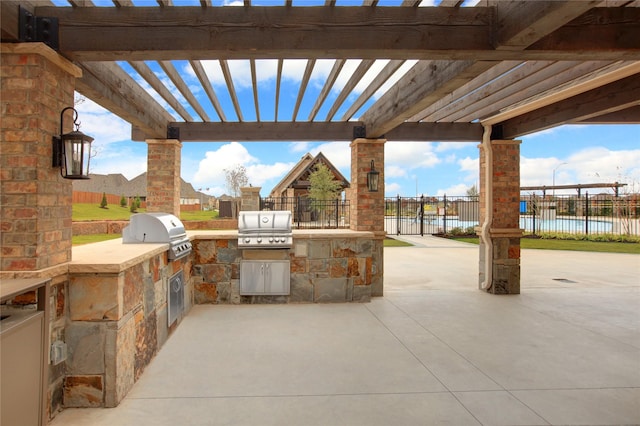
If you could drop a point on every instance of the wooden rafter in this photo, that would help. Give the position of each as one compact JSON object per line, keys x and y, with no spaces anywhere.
{"x":303,"y":87}
{"x":355,"y":78}
{"x":206,"y":84}
{"x":278,"y":80}
{"x":254,"y":80}
{"x":475,"y":90}
{"x":613,"y":97}
{"x":331,"y":79}
{"x":157,"y":85}
{"x":230,"y":87}
{"x":377,"y":82}
{"x":427,"y":81}
{"x":112,"y":88}
{"x":177,"y":80}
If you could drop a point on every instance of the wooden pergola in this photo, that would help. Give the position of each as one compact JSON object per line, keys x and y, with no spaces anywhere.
{"x":520,"y":66}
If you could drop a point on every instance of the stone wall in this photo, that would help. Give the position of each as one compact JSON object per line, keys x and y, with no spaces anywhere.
{"x":329,"y":267}
{"x":117,"y":322}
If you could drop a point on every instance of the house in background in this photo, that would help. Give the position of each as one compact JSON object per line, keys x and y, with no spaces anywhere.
{"x":117,"y":186}
{"x":296,"y":183}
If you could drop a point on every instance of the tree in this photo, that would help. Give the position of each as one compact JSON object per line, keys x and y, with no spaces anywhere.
{"x":473,"y":191}
{"x":103,"y":202}
{"x":123,"y":201}
{"x":323,"y":185}
{"x":236,"y":178}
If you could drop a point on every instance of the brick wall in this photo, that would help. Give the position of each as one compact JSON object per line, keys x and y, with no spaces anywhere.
{"x":36,"y":201}
{"x":367,"y":208}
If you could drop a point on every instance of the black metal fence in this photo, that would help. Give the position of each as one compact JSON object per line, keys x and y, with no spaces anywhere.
{"x":309,"y":213}
{"x":431,"y":215}
{"x":584,"y":214}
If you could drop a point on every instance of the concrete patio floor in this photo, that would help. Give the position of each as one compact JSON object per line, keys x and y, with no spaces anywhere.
{"x":434,"y":350}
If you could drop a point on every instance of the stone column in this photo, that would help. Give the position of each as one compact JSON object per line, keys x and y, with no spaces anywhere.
{"x":367,"y":208}
{"x":504,"y":231}
{"x":163,"y":176}
{"x":250,"y":200}
{"x":35,"y":212}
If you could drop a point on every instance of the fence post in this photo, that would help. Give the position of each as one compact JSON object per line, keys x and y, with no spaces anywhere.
{"x":534,"y":210}
{"x":586,"y":212}
{"x":398,"y":216}
{"x":444,"y":221}
{"x":422,"y":215}
{"x":336,"y":202}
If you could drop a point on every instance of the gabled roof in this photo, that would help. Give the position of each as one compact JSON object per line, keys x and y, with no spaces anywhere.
{"x":298,"y":177}
{"x":119,"y":185}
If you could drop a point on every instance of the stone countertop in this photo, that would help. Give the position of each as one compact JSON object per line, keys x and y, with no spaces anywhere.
{"x":113,"y":256}
{"x":230,"y":234}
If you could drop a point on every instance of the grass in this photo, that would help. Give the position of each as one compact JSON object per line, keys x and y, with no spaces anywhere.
{"x":392,"y":242}
{"x":77,"y":240}
{"x":549,"y":244}
{"x":87,"y":211}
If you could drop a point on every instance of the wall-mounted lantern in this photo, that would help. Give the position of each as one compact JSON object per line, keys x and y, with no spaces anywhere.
{"x":71,"y":151}
{"x":372,"y":178}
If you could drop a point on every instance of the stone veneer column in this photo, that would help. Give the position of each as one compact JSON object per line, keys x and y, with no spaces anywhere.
{"x":367,"y":208}
{"x":250,"y":200}
{"x":35,"y":212}
{"x":505,"y":232}
{"x":163,"y":176}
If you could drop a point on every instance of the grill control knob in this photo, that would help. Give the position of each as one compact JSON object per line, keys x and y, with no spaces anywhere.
{"x":259,"y":240}
{"x":270,"y":239}
{"x":247,"y":240}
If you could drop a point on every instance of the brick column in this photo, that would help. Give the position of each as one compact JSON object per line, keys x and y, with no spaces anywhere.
{"x":367,"y":208}
{"x":163,"y":176}
{"x":35,"y":212}
{"x":250,"y":198}
{"x":504,"y":231}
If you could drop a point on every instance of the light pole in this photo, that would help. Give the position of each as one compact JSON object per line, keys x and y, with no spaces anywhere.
{"x":553,"y":184}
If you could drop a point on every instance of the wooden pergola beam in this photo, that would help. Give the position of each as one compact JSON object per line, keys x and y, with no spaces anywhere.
{"x":616,"y":96}
{"x":161,"y":33}
{"x":112,"y":88}
{"x":314,"y":131}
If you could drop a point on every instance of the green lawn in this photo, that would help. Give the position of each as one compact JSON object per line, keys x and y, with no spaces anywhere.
{"x":391,"y":242}
{"x":77,"y":240}
{"x":550,"y":244}
{"x":84,"y":212}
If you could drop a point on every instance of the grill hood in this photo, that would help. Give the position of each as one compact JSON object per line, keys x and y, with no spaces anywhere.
{"x":158,"y":228}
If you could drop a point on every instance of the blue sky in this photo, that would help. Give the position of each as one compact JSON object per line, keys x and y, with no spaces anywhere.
{"x":577,"y":153}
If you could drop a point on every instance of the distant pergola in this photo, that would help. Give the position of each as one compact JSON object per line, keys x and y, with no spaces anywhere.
{"x":579,"y":187}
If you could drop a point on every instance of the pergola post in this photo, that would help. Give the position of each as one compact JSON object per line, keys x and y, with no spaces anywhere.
{"x":499,"y":271}
{"x":163,"y":176}
{"x":367,"y":208}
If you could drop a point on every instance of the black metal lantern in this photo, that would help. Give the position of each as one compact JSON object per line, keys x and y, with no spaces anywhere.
{"x":372,"y":178}
{"x":72,"y":151}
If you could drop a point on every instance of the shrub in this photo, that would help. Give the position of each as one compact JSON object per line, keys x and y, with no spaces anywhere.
{"x":123,"y":201}
{"x":103,"y":202}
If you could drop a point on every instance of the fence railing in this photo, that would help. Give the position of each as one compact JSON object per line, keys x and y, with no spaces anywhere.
{"x":308,"y":213}
{"x":584,"y":214}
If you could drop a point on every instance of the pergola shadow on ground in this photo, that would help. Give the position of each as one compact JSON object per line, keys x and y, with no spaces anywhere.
{"x":433,"y":350}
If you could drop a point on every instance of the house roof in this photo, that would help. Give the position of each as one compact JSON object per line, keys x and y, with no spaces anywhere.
{"x":298,"y":177}
{"x":119,"y":185}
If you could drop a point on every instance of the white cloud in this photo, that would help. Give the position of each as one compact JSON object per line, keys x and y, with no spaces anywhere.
{"x":391,"y":171}
{"x":392,"y":188}
{"x":338,"y":153}
{"x":211,"y":168}
{"x":99,"y":123}
{"x":457,"y":189}
{"x":410,"y":155}
{"x":300,"y":147}
{"x":451,"y":146}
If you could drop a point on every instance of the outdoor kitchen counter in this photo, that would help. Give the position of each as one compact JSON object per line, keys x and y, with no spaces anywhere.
{"x":232,"y":234}
{"x":112,"y":256}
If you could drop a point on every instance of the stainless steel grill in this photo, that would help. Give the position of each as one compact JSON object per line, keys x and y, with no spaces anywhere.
{"x":265,"y":229}
{"x":158,"y":228}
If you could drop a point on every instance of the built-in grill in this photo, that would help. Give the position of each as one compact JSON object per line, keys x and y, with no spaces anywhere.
{"x":265,"y":229}
{"x":158,"y":228}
